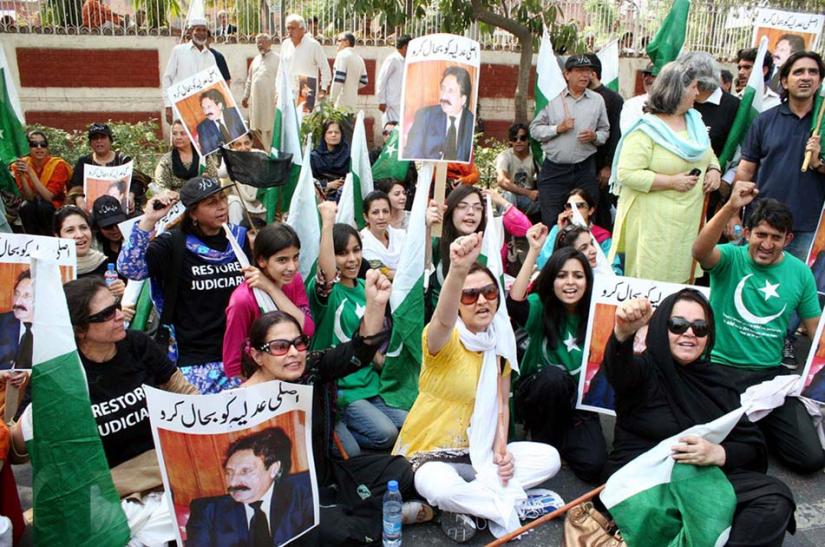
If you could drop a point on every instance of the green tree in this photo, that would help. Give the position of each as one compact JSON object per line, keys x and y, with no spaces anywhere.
{"x":523,"y":20}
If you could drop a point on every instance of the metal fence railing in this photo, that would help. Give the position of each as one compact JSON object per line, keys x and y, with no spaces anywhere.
{"x":713,"y":26}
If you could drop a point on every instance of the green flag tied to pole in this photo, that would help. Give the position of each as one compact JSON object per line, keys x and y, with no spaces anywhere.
{"x":549,"y":82}
{"x":609,"y":57}
{"x":358,"y":182}
{"x":670,"y":38}
{"x":749,"y":107}
{"x":286,"y":138}
{"x":13,"y":141}
{"x":303,"y":217}
{"x":657,"y":502}
{"x":75,"y":501}
{"x":402,"y":366}
{"x":388,"y":166}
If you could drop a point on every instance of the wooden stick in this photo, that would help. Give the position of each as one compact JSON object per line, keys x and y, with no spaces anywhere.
{"x":546,"y":518}
{"x":815,"y":133}
{"x":440,"y":191}
{"x":701,"y":224}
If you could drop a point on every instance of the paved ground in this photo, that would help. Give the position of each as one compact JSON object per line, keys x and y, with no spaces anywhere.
{"x":808,"y":490}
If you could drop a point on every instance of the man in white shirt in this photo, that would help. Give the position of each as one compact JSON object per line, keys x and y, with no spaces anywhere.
{"x":632,"y":108}
{"x":349,"y":73}
{"x":260,"y":95}
{"x":187,"y":59}
{"x":305,"y":59}
{"x":390,"y":81}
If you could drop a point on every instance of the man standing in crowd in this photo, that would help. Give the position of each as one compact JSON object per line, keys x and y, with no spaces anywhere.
{"x":632,"y":108}
{"x":304,"y":56}
{"x":349,"y":73}
{"x":745,"y":58}
{"x":390,"y":81}
{"x":223,"y":27}
{"x":613,"y":102}
{"x":755,"y":289}
{"x":260,"y":95}
{"x":787,"y":45}
{"x":570,"y":128}
{"x":264,"y":504}
{"x":516,"y":170}
{"x":187,"y":59}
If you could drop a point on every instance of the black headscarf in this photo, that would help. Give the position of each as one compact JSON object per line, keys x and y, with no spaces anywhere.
{"x":330,"y":162}
{"x":698,"y":392}
{"x":182,"y":172}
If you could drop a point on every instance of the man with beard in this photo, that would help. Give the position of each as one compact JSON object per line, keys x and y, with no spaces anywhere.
{"x":259,"y":94}
{"x":264,"y":504}
{"x":187,"y":59}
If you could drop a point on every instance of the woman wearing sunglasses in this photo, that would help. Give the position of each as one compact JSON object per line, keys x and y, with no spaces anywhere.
{"x":463,"y":384}
{"x":672,"y":386}
{"x":41,"y":179}
{"x":337,"y":298}
{"x":555,"y":318}
{"x":278,"y":350}
{"x":276,"y":257}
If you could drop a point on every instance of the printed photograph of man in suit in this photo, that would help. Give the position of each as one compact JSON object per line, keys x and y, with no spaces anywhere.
{"x":264,"y":504}
{"x":444,"y":131}
{"x":222,"y":124}
{"x":15,"y":326}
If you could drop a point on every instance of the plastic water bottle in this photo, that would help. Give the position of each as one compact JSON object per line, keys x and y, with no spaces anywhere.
{"x":110,"y":276}
{"x":392,"y":515}
{"x":737,"y":234}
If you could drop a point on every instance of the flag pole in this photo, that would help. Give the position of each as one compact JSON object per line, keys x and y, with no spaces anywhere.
{"x":546,"y":518}
{"x":815,"y":133}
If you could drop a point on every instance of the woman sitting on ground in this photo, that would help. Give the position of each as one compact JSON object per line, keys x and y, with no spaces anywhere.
{"x":673,"y":386}
{"x":397,"y":192}
{"x":182,"y":161}
{"x":330,"y":160}
{"x":382,"y":242}
{"x":463,"y":383}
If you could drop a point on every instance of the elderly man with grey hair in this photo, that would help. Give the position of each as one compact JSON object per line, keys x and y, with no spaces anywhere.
{"x":718,"y":108}
{"x":305,"y":60}
{"x":260,"y":93}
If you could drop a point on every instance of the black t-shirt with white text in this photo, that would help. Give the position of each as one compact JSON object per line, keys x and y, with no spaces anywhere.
{"x":117,"y":396}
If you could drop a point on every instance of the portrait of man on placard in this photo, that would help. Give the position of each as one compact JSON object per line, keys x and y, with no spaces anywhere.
{"x":223,"y":123}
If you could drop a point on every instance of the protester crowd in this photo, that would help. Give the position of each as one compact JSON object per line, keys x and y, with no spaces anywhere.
{"x":631,"y":187}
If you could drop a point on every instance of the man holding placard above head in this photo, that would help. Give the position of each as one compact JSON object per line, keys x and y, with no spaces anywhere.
{"x":754,"y":291}
{"x":570,"y":128}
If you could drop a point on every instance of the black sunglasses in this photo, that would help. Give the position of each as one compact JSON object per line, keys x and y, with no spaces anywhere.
{"x":38,"y":144}
{"x":470,"y":296}
{"x":680,"y":325}
{"x":519,"y":138}
{"x":281,"y":347}
{"x":106,"y":314}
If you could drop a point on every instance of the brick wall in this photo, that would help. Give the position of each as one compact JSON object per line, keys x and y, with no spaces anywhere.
{"x":52,"y":67}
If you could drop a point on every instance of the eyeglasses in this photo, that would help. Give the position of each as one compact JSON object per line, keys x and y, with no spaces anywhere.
{"x":579,"y":205}
{"x":106,"y":314}
{"x":520,"y":138}
{"x":470,"y":296}
{"x":281,"y":347}
{"x":462,"y":206}
{"x":38,"y":144}
{"x":680,"y":325}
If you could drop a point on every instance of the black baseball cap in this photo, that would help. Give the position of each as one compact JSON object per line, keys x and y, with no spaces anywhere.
{"x":100,"y":129}
{"x":107,"y":211}
{"x":578,"y":61}
{"x":198,"y":189}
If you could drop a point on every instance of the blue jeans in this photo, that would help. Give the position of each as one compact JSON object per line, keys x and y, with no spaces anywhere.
{"x":799,"y":247}
{"x":371,"y":423}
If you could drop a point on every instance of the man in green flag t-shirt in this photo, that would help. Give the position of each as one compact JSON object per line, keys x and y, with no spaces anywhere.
{"x":755,"y":289}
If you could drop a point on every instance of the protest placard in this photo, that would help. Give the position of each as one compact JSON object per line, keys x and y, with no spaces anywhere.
{"x":251,"y":445}
{"x":208,"y":110}
{"x":439,"y":98}
{"x":814,"y":374}
{"x":777,"y":25}
{"x":595,"y":392}
{"x":100,"y":180}
{"x":816,"y":255}
{"x":16,"y":296}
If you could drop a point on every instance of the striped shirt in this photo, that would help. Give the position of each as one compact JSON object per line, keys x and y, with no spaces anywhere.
{"x":349,"y":75}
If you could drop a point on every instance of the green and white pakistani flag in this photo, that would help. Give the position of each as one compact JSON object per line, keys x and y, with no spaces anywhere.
{"x":609,"y":57}
{"x":549,"y":82}
{"x":402,"y":363}
{"x":668,"y":42}
{"x":749,"y":107}
{"x":303,"y":217}
{"x":286,"y":138}
{"x":657,"y":502}
{"x":13,"y":141}
{"x":75,"y":501}
{"x":817,"y":106}
{"x":388,"y":166}
{"x":359,"y":179}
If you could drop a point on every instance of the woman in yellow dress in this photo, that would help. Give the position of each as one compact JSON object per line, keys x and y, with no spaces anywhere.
{"x":664,"y":166}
